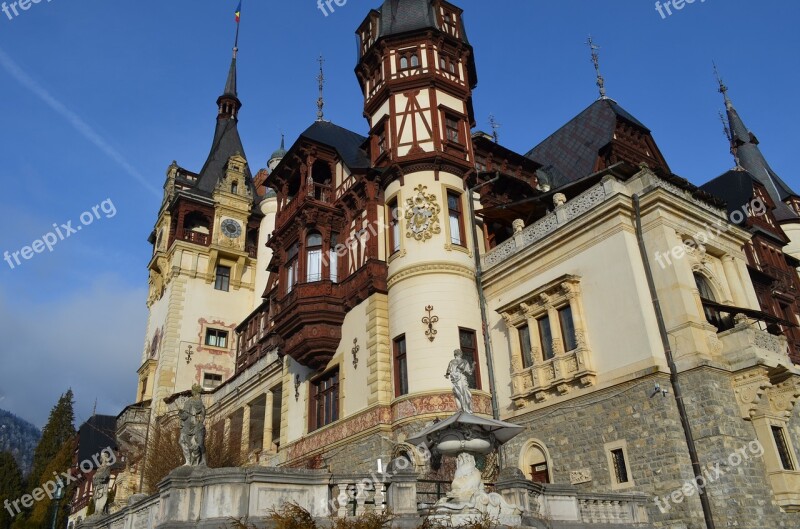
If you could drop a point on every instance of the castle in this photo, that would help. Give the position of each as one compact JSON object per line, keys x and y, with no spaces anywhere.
{"x":642,"y":329}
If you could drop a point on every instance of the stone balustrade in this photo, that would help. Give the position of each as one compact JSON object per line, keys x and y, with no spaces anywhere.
{"x":746,"y":345}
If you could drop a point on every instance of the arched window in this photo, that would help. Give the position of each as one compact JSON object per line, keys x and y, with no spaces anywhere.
{"x":713,"y":316}
{"x":534,"y":463}
{"x":313,"y":258}
{"x":414,"y":61}
{"x":403,"y":63}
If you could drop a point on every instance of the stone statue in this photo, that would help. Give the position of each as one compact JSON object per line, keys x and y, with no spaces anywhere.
{"x":100,"y":482}
{"x":458,"y":371}
{"x":193,"y":430}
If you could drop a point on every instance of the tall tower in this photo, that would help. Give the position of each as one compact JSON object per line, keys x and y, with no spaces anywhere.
{"x":203,"y":269}
{"x":417,"y":72}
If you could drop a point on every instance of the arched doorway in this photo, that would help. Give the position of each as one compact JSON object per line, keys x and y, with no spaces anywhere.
{"x":535,"y":462}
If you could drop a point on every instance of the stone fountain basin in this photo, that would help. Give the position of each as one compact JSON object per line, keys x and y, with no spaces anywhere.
{"x":452,"y":444}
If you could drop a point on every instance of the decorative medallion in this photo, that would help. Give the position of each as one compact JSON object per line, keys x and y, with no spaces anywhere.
{"x":355,"y":350}
{"x":422,"y":215}
{"x":189,"y":354}
{"x":430,"y":320}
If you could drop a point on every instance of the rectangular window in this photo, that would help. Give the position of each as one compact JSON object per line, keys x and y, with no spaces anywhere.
{"x":525,"y":346}
{"x":469,"y":346}
{"x":325,"y":400}
{"x":211,"y":381}
{"x":783,"y":447}
{"x":456,"y":218}
{"x":400,"y":367}
{"x":568,"y":328}
{"x":620,"y":468}
{"x":292,"y":267}
{"x":382,"y":141}
{"x":314,"y":272}
{"x":223,"y":279}
{"x":452,"y":125}
{"x":394,"y":225}
{"x":546,"y":338}
{"x":217,"y":338}
{"x":333,"y":259}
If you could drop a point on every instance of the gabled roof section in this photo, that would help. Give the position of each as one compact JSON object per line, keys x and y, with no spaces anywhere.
{"x":571,"y":153}
{"x":347,"y":143}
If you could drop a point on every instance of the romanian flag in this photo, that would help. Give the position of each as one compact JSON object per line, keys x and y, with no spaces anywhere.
{"x":239,"y":12}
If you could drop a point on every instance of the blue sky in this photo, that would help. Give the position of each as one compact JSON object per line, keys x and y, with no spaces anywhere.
{"x":98,"y":97}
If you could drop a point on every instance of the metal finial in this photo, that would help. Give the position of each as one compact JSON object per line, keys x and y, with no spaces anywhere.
{"x":321,"y":100}
{"x":729,"y":135}
{"x":495,"y":127}
{"x":601,"y":82}
{"x":723,"y":89}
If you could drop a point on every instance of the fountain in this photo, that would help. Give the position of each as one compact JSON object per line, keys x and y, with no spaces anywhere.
{"x":464,"y":436}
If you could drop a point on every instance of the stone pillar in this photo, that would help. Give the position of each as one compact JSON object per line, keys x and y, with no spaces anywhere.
{"x":402,"y":497}
{"x":266,"y":444}
{"x":734,"y":282}
{"x":245,"y":441}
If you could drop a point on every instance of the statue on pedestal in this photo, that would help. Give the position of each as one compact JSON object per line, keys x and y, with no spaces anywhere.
{"x":459,"y":371}
{"x":193,"y":430}
{"x":100,"y":482}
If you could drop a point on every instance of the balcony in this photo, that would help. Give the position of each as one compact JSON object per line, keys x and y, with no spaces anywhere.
{"x":785,"y":280}
{"x":195,"y":237}
{"x":312,"y":193}
{"x":746,"y":344}
{"x":309,"y":318}
{"x":557,"y":376}
{"x":132,"y":426}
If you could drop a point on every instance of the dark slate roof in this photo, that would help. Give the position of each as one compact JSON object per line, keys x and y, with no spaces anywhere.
{"x":735,"y":187}
{"x":347,"y":143}
{"x":226,"y":143}
{"x":571,"y":152}
{"x":752,"y":159}
{"x":96,"y":434}
{"x":402,"y":16}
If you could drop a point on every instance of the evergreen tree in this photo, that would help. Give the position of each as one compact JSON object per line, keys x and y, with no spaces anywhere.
{"x":41,"y":514}
{"x":10,"y":487}
{"x":59,"y":429}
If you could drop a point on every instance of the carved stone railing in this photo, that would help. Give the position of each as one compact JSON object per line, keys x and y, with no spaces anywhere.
{"x":745,"y":344}
{"x":357,"y":494}
{"x":565,"y":504}
{"x":548,"y":224}
{"x":559,"y":375}
{"x":141,"y":513}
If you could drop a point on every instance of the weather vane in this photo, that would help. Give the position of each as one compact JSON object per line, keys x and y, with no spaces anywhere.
{"x":495,"y":127}
{"x":601,"y":82}
{"x":321,"y":100}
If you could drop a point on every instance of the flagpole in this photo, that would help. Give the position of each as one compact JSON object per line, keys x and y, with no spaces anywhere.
{"x":238,"y":21}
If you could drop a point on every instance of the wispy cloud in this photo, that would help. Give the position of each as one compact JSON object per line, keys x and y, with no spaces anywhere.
{"x":73,"y":119}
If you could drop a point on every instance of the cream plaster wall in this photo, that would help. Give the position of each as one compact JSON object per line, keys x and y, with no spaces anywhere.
{"x":354,"y":385}
{"x":269,"y":208}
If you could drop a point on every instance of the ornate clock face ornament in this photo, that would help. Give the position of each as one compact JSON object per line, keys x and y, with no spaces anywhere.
{"x":231,"y":229}
{"x":422,"y":215}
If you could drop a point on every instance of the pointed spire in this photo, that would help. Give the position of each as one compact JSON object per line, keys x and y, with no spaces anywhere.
{"x":748,"y":156}
{"x":228,"y":102}
{"x":321,"y":81}
{"x":601,"y":82}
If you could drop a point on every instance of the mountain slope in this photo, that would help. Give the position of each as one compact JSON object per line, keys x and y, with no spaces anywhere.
{"x":19,"y":437}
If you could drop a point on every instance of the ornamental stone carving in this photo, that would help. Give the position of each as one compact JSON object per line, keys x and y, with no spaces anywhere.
{"x":422,"y":215}
{"x":583,"y":475}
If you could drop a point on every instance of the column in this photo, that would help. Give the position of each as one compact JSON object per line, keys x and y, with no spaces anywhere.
{"x":734,"y":282}
{"x":266,"y":444}
{"x":226,"y":435}
{"x":245,"y":432}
